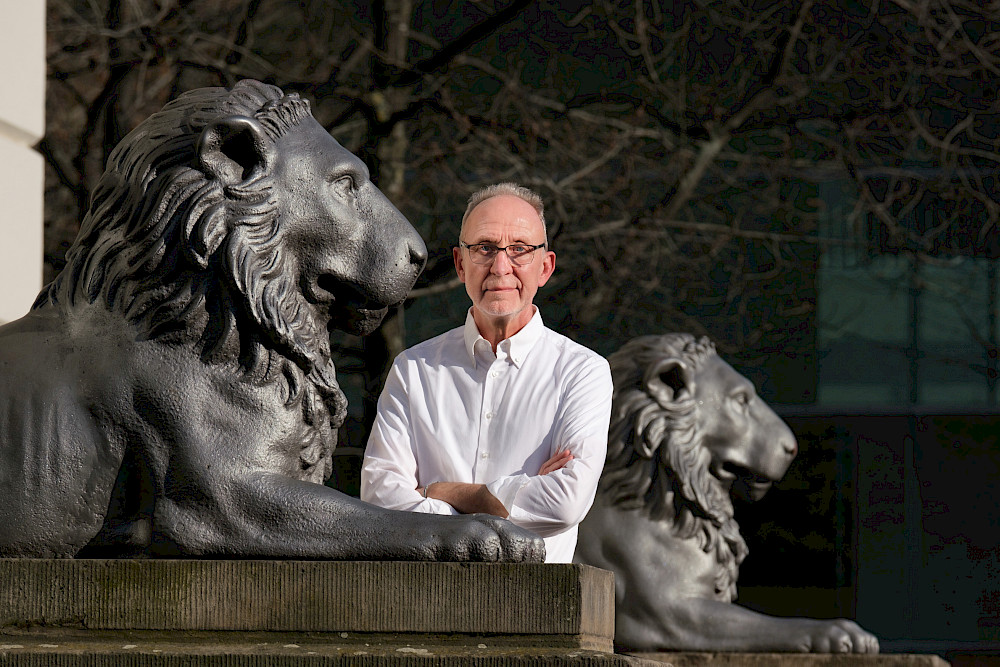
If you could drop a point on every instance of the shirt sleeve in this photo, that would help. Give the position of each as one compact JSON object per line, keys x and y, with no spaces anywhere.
{"x":389,"y":471}
{"x":553,"y":503}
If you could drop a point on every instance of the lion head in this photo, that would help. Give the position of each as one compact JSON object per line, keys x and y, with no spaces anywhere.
{"x":686,"y":431}
{"x":230,"y":221}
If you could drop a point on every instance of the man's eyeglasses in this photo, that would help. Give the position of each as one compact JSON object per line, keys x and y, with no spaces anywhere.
{"x":518,"y":253}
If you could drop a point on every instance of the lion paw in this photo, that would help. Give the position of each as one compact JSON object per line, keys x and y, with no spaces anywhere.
{"x":486,"y":538}
{"x":841,"y":636}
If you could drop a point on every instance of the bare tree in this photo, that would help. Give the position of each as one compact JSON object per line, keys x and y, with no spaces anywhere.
{"x":686,"y":150}
{"x":745,"y":115}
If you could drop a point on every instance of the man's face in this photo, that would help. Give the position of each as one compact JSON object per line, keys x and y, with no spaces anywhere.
{"x":500,"y":291}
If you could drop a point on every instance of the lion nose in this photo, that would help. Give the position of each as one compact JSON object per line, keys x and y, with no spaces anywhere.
{"x":418,"y":253}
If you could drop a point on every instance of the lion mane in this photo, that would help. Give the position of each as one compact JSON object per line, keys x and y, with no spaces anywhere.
{"x":656,"y":461}
{"x":189,"y":261}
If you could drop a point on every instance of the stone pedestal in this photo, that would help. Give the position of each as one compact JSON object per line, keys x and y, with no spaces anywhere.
{"x":683,"y":659}
{"x":235,"y":613}
{"x":161,"y":613}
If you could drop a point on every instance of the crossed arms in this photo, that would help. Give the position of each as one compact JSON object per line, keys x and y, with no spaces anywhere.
{"x":476,"y":498}
{"x":529,"y":448}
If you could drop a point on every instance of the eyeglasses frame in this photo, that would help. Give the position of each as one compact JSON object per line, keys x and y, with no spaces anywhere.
{"x":530,"y":253}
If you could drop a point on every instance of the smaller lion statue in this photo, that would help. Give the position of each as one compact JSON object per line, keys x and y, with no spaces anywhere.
{"x":687,"y":432}
{"x":172,"y":392}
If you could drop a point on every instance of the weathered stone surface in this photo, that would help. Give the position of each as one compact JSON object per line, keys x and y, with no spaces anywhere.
{"x":684,"y":659}
{"x":76,"y":648}
{"x":161,"y":613}
{"x":541,"y":605}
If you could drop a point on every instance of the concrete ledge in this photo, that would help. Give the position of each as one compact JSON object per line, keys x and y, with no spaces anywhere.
{"x":69,"y":648}
{"x":683,"y":659}
{"x":530,"y":604}
{"x":162,"y":613}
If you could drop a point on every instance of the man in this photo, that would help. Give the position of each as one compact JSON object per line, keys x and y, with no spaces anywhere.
{"x":502,"y":415}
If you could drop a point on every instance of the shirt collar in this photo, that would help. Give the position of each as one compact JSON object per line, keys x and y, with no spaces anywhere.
{"x":518,"y":345}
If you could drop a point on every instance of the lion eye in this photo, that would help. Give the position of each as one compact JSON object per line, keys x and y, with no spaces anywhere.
{"x":344,"y":186}
{"x":743,"y":399}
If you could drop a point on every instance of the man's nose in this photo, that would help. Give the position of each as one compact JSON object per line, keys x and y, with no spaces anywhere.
{"x":501,"y":263}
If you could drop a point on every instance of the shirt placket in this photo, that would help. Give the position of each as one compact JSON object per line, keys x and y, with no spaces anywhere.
{"x":486,"y":410}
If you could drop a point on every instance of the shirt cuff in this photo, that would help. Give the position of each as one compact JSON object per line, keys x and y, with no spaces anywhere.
{"x":433,"y":506}
{"x":505,"y":489}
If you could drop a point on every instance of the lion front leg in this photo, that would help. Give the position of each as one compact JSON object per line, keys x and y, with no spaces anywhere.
{"x":273,"y":516}
{"x":696,"y":624}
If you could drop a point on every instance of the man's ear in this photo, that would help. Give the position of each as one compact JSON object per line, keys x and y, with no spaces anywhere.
{"x":456,"y":254}
{"x":234,"y":149}
{"x":548,"y":266}
{"x":669,"y":381}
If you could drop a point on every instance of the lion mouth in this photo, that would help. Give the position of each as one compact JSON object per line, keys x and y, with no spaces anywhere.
{"x":745,"y":483}
{"x":349,"y":309}
{"x":726,"y":473}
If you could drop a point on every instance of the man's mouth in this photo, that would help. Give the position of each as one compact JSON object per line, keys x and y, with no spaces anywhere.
{"x":499,"y":288}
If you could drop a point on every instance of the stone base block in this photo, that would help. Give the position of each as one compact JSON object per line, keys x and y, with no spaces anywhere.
{"x":683,"y":659}
{"x":162,"y":613}
{"x":552,"y":605}
{"x":79,"y":648}
{"x":235,"y":613}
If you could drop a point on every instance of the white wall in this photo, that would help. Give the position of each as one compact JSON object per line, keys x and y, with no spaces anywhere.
{"x":22,"y":174}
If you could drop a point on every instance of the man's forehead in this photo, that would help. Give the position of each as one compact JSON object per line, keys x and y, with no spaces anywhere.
{"x":503,"y":215}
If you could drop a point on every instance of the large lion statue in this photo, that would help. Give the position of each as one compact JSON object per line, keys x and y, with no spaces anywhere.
{"x":172,"y":393}
{"x":687,"y":431}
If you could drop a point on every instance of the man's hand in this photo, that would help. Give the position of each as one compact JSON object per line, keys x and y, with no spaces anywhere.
{"x":476,"y":498}
{"x":466,"y":498}
{"x":558,"y":461}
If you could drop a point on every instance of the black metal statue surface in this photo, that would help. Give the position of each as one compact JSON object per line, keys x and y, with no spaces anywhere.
{"x":171,"y":392}
{"x":687,"y":430}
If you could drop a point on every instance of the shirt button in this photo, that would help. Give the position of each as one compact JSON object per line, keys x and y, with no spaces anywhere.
{"x":484,"y":455}
{"x":496,"y":373}
{"x":489,"y":415}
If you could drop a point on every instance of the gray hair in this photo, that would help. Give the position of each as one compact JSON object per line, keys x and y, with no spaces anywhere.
{"x":527,"y":195}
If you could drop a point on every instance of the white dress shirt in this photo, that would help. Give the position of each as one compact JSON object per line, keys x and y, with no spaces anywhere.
{"x":453,"y":411}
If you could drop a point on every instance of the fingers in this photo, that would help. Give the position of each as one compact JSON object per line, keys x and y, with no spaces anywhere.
{"x":559,"y":460}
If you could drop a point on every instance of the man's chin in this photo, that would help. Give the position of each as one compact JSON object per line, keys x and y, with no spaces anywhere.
{"x":496,"y":310}
{"x":507,"y":320}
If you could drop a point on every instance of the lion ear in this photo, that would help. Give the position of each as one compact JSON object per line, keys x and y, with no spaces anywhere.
{"x":234,"y":149}
{"x":668,"y":381}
